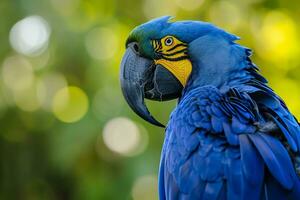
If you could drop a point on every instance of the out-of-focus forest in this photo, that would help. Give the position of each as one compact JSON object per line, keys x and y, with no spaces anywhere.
{"x":65,"y":129}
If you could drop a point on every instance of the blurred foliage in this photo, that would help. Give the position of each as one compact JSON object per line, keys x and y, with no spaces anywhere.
{"x":65,"y":129}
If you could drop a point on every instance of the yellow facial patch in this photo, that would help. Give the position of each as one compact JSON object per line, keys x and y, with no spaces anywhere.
{"x":173,"y":56}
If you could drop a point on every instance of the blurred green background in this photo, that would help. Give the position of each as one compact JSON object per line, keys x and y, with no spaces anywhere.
{"x":65,"y":129}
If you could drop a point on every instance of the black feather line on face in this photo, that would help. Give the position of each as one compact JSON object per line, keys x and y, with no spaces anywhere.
{"x":177,"y":52}
{"x":153,"y":43}
{"x":157,"y":45}
{"x":175,"y":59}
{"x":176,"y":46}
{"x":159,"y":53}
{"x":160,"y":44}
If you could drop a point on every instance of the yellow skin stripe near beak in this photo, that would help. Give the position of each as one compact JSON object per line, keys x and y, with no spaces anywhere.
{"x":174,"y":57}
{"x":180,"y":69}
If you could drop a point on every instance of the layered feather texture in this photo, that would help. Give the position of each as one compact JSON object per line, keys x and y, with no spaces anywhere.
{"x":217,"y":147}
{"x":230,"y":136}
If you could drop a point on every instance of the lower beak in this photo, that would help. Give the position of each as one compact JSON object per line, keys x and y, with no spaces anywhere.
{"x":141,"y":78}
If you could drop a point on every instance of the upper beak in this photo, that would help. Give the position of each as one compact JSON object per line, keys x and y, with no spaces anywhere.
{"x":141,"y":78}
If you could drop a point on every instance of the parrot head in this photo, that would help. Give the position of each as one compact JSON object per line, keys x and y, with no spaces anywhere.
{"x":157,"y":63}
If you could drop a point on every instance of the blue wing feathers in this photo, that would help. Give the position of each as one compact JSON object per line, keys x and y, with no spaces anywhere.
{"x":281,"y":153}
{"x":275,"y":107}
{"x":217,"y":124}
{"x":252,"y":163}
{"x":233,"y":175}
{"x":279,"y":166}
{"x":273,"y":190}
{"x":214,"y":148}
{"x":212,"y":190}
{"x":187,"y":175}
{"x":231,"y":137}
{"x":252,"y":169}
{"x":287,"y":135}
{"x":161,"y":178}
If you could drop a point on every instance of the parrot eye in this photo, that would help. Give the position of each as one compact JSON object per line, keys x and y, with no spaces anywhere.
{"x":136,"y":47}
{"x":169,"y":41}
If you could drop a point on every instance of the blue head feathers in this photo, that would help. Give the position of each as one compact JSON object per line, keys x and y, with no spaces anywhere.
{"x":216,"y":58}
{"x":186,"y":31}
{"x":219,"y":130}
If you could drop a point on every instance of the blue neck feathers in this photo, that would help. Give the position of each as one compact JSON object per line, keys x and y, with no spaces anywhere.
{"x":220,"y":62}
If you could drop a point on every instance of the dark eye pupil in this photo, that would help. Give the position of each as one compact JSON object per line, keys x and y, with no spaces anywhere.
{"x":136,"y":47}
{"x":169,"y":41}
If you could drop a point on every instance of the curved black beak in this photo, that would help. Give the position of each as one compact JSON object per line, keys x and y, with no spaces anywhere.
{"x":141,"y":78}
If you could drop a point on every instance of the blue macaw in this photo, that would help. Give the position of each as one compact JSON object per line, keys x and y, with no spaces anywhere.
{"x":230,"y":136}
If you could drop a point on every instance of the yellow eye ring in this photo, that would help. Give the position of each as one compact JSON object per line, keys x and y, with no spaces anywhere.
{"x":169,"y":41}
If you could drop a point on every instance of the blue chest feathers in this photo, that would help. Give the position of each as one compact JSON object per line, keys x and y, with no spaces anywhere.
{"x":217,"y":146}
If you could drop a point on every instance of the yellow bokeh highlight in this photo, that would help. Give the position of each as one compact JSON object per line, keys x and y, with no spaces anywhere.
{"x":277,"y":39}
{"x":189,"y":5}
{"x":125,"y":137}
{"x":27,"y":99}
{"x":20,"y":81}
{"x":157,"y":8}
{"x":66,"y":7}
{"x":102,"y":43}
{"x":70,"y":104}
{"x":226,"y":14}
{"x":17,"y":73}
{"x":47,"y":87}
{"x":145,"y":188}
{"x":289,"y":91}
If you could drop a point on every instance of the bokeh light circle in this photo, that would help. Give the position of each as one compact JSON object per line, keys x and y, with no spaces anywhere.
{"x":123,"y":136}
{"x":145,"y":188}
{"x":189,"y":5}
{"x":101,"y":43}
{"x":65,"y":7}
{"x":226,"y":14}
{"x":70,"y":104}
{"x":30,"y":35}
{"x":289,"y":91}
{"x":27,"y":99}
{"x":277,"y":39}
{"x":158,"y":8}
{"x":47,"y":87}
{"x":17,"y":73}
